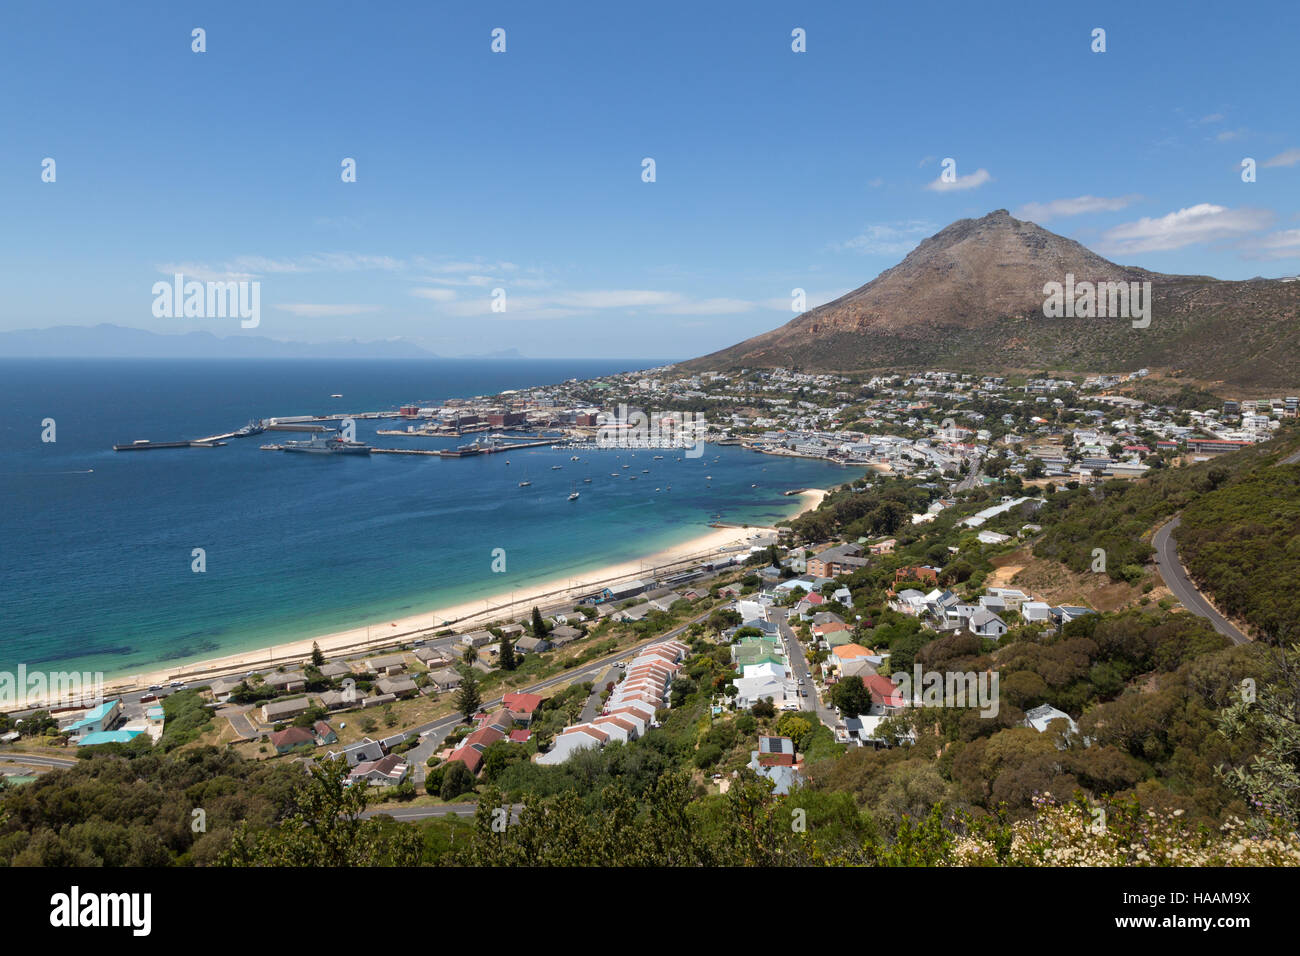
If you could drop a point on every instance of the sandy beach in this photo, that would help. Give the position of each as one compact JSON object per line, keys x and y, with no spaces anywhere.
{"x":467,"y":616}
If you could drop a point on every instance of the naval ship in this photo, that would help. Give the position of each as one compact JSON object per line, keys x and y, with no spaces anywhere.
{"x":328,"y":443}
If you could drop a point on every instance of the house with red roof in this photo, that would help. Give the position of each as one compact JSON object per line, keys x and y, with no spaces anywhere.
{"x":523,"y":706}
{"x":885,"y":696}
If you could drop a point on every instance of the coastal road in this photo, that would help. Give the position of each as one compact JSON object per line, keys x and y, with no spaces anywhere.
{"x":37,"y":760}
{"x":409,"y":814}
{"x":1175,"y":577}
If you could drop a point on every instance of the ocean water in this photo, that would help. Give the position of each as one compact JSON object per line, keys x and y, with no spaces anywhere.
{"x":96,"y":545}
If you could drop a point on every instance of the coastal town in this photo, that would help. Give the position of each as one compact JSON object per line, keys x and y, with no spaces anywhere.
{"x":781,"y":603}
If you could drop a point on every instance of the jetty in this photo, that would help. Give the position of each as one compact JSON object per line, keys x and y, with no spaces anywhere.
{"x":144,"y":445}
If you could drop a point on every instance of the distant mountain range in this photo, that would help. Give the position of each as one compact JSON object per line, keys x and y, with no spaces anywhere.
{"x":971,"y":297}
{"x":116,"y":341}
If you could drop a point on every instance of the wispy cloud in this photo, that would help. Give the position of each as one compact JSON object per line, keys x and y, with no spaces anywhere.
{"x":1203,"y":222}
{"x":1229,"y":134}
{"x":1288,"y":158}
{"x":203,"y":273}
{"x":593,"y":302}
{"x":977,"y":178}
{"x":1276,"y":245}
{"x":887,"y":238}
{"x":1056,"y":208}
{"x":437,"y":295}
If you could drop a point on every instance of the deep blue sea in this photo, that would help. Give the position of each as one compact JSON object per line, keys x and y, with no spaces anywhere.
{"x":95,"y":545}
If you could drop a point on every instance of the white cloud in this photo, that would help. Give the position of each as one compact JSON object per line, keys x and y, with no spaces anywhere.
{"x":203,"y":273}
{"x":720,"y":306}
{"x":1203,"y":222}
{"x":437,"y":295}
{"x":977,"y":178}
{"x":324,"y":311}
{"x":1054,"y":209}
{"x":578,"y":303}
{"x":1230,"y":134}
{"x":1288,"y":158}
{"x":1276,"y":245}
{"x":887,"y":238}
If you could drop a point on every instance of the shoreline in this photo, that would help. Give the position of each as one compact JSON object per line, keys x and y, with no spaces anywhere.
{"x":467,"y":615}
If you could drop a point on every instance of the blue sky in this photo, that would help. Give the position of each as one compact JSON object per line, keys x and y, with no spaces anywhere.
{"x":523,"y":170}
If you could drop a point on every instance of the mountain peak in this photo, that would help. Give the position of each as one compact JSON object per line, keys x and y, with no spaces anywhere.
{"x":971,"y":296}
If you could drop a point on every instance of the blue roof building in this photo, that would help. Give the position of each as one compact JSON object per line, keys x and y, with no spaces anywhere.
{"x":108,"y":737}
{"x":97,"y":718}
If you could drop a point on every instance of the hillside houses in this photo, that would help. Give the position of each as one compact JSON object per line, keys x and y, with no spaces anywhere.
{"x":629,"y":711}
{"x":776,"y":760}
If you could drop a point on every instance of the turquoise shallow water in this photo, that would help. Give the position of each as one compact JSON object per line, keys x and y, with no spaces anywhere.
{"x":96,"y":568}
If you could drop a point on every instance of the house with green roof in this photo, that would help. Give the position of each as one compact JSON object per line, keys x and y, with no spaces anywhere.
{"x":108,"y":737}
{"x":757,"y":650}
{"x":96,"y":719}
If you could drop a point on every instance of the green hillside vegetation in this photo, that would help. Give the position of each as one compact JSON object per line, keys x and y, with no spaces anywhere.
{"x":1241,"y":543}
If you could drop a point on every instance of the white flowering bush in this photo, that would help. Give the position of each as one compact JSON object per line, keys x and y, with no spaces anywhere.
{"x":1121,"y":833}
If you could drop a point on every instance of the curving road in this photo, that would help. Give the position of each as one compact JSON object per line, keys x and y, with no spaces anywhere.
{"x":408,"y":814}
{"x":37,"y":760}
{"x":1176,"y":579}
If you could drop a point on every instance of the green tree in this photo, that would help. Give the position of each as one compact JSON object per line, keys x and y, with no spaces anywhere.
{"x":324,"y":828}
{"x":851,"y":696}
{"x":317,"y":658}
{"x":539,"y":626}
{"x":456,"y":780}
{"x":507,"y":657}
{"x":468,"y":698}
{"x":1270,"y":781}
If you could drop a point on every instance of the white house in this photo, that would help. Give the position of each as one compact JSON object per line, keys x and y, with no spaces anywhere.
{"x":573,"y":739}
{"x":1036,"y":611}
{"x":762,"y":681}
{"x":986,"y":624}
